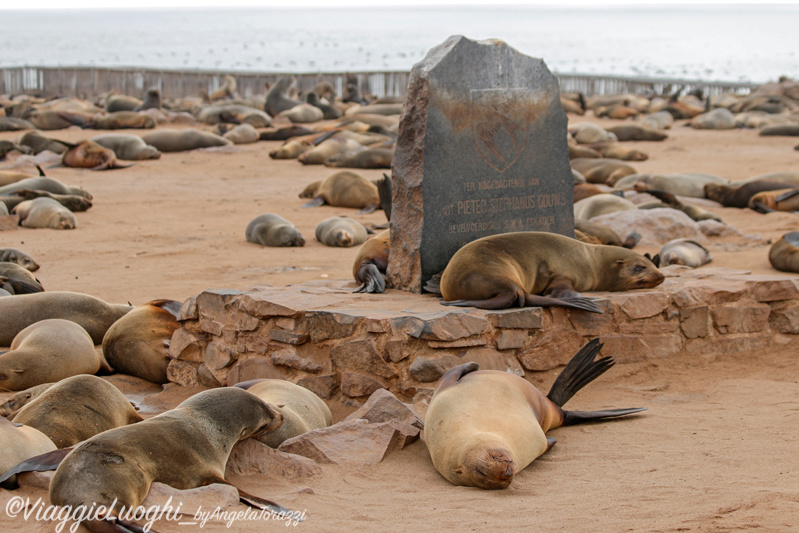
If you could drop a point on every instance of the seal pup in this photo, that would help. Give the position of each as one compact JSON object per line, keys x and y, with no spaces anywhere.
{"x":242,"y":134}
{"x":607,"y":171}
{"x":485,"y":426}
{"x":20,"y":399}
{"x":341,"y":231}
{"x":78,"y":408}
{"x":739,"y":197}
{"x":44,"y":213}
{"x":19,"y":443}
{"x":634,"y":132}
{"x":369,"y":268}
{"x":537,"y":269}
{"x":185,"y":448}
{"x":91,"y":155}
{"x":127,"y":147}
{"x":302,"y":410}
{"x":343,"y":189}
{"x":682,"y":252}
{"x":93,"y":314}
{"x":273,"y":230}
{"x":137,"y":343}
{"x":18,"y":279}
{"x":784,"y":253}
{"x":48,"y":351}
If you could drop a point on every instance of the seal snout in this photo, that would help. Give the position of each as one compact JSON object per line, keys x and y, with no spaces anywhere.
{"x":494,"y":469}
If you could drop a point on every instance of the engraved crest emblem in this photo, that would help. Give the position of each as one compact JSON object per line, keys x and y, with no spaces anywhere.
{"x":500,"y":125}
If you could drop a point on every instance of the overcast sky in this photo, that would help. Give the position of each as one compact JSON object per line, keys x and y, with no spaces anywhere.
{"x":105,"y":4}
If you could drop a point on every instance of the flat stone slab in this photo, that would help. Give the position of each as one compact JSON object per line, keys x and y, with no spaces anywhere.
{"x":323,"y":336}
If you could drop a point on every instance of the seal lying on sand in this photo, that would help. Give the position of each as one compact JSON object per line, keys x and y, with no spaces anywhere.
{"x":784,"y":254}
{"x":540,"y":269}
{"x":270,"y":229}
{"x":19,"y":443}
{"x":44,"y":213}
{"x":185,"y":448}
{"x":485,"y":426}
{"x":341,"y":231}
{"x":343,"y":189}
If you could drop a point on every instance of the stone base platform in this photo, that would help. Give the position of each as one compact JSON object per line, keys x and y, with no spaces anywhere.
{"x":326,"y":338}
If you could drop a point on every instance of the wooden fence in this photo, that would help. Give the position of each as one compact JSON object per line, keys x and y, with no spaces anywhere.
{"x":88,"y":82}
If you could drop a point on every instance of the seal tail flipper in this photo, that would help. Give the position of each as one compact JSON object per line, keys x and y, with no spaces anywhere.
{"x":433,"y":285}
{"x":571,"y":418}
{"x":574,"y":302}
{"x":371,"y":279}
{"x":39,"y":463}
{"x":384,"y":192}
{"x":316,"y":202}
{"x":579,"y":372}
{"x":784,"y":196}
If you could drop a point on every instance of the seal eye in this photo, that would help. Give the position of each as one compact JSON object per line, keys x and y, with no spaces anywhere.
{"x":639,"y":268}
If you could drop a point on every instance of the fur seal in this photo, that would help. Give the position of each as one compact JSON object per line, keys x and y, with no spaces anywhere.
{"x":277,"y":99}
{"x":660,"y":120}
{"x":777,"y":200}
{"x":683,"y":184}
{"x":136,"y":344}
{"x":234,"y":114}
{"x":368,"y":158}
{"x":39,"y":143}
{"x":717,"y":119}
{"x":788,"y":130}
{"x":617,"y":111}
{"x":329,"y":112}
{"x":185,"y":448}
{"x":605,"y":235}
{"x":19,"y":400}
{"x":45,"y":213}
{"x":584,"y":190}
{"x":329,"y":147}
{"x":167,"y":140}
{"x":15,"y":124}
{"x":43,"y":183}
{"x":291,"y":149}
{"x":122,"y":102}
{"x":370,"y":265}
{"x":341,"y":231}
{"x":242,"y":134}
{"x":226,"y":91}
{"x":343,"y":189}
{"x":485,"y":426}
{"x":12,"y":255}
{"x":127,"y":147}
{"x":620,"y":152}
{"x":607,"y":171}
{"x":18,"y":279}
{"x":302,"y":410}
{"x":49,"y":350}
{"x":633,"y":132}
{"x":93,"y":314}
{"x":601,"y":204}
{"x":667,"y":199}
{"x":540,"y":269}
{"x":123,"y":120}
{"x":19,"y":443}
{"x":7,"y":177}
{"x":784,"y":254}
{"x":78,"y":408}
{"x":303,"y":114}
{"x":91,"y":155}
{"x":588,"y":133}
{"x":739,"y":197}
{"x":273,"y":230}
{"x":683,"y":252}
{"x":71,"y":201}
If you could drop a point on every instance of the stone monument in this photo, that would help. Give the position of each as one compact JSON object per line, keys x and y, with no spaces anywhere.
{"x":482,"y":150}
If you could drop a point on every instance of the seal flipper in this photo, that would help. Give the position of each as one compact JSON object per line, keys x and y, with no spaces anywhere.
{"x":371,"y":279}
{"x":571,"y":418}
{"x":574,"y":302}
{"x":39,"y":463}
{"x":579,"y":372}
{"x":454,"y":374}
{"x":316,"y":202}
{"x":260,"y":503}
{"x":434,"y":284}
{"x":784,"y":196}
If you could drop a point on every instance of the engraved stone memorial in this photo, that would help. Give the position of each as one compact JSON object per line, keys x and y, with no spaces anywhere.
{"x":481,"y":150}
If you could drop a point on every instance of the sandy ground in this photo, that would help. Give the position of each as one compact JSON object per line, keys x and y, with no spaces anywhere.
{"x":716,"y":451}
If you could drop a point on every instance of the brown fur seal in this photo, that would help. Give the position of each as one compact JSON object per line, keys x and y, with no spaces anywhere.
{"x":242,"y":134}
{"x":302,"y":410}
{"x":739,"y":196}
{"x":127,"y":147}
{"x":788,"y":130}
{"x":39,"y":143}
{"x":371,"y":263}
{"x":19,"y":400}
{"x":584,"y":190}
{"x":18,"y":279}
{"x":285,"y":133}
{"x":606,"y":171}
{"x":123,"y":120}
{"x":278,"y":99}
{"x":49,"y":350}
{"x":302,"y":114}
{"x":234,"y":114}
{"x":93,"y":314}
{"x":185,"y":448}
{"x":12,"y":255}
{"x":343,"y":189}
{"x":485,"y":426}
{"x":341,"y":231}
{"x":660,"y":120}
{"x":683,"y":252}
{"x":577,"y":151}
{"x":338,"y":143}
{"x":784,"y":254}
{"x":136,"y":344}
{"x":121,"y":102}
{"x":601,"y":204}
{"x":666,"y":199}
{"x":72,"y":202}
{"x":291,"y":149}
{"x":368,"y":158}
{"x":329,"y":112}
{"x":617,"y":111}
{"x":19,"y":443}
{"x":777,"y":200}
{"x":273,"y":230}
{"x":589,"y":133}
{"x":684,"y":183}
{"x":633,"y":132}
{"x":620,"y":152}
{"x":226,"y":91}
{"x":77,"y":408}
{"x":91,"y":155}
{"x":44,"y":213}
{"x":167,"y":140}
{"x":540,"y":269}
{"x":605,"y":235}
{"x":43,"y":183}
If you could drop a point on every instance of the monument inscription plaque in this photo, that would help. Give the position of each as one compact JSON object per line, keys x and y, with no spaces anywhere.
{"x":481,"y":150}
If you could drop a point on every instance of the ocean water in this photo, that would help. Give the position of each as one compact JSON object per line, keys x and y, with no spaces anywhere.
{"x":712,"y":43}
